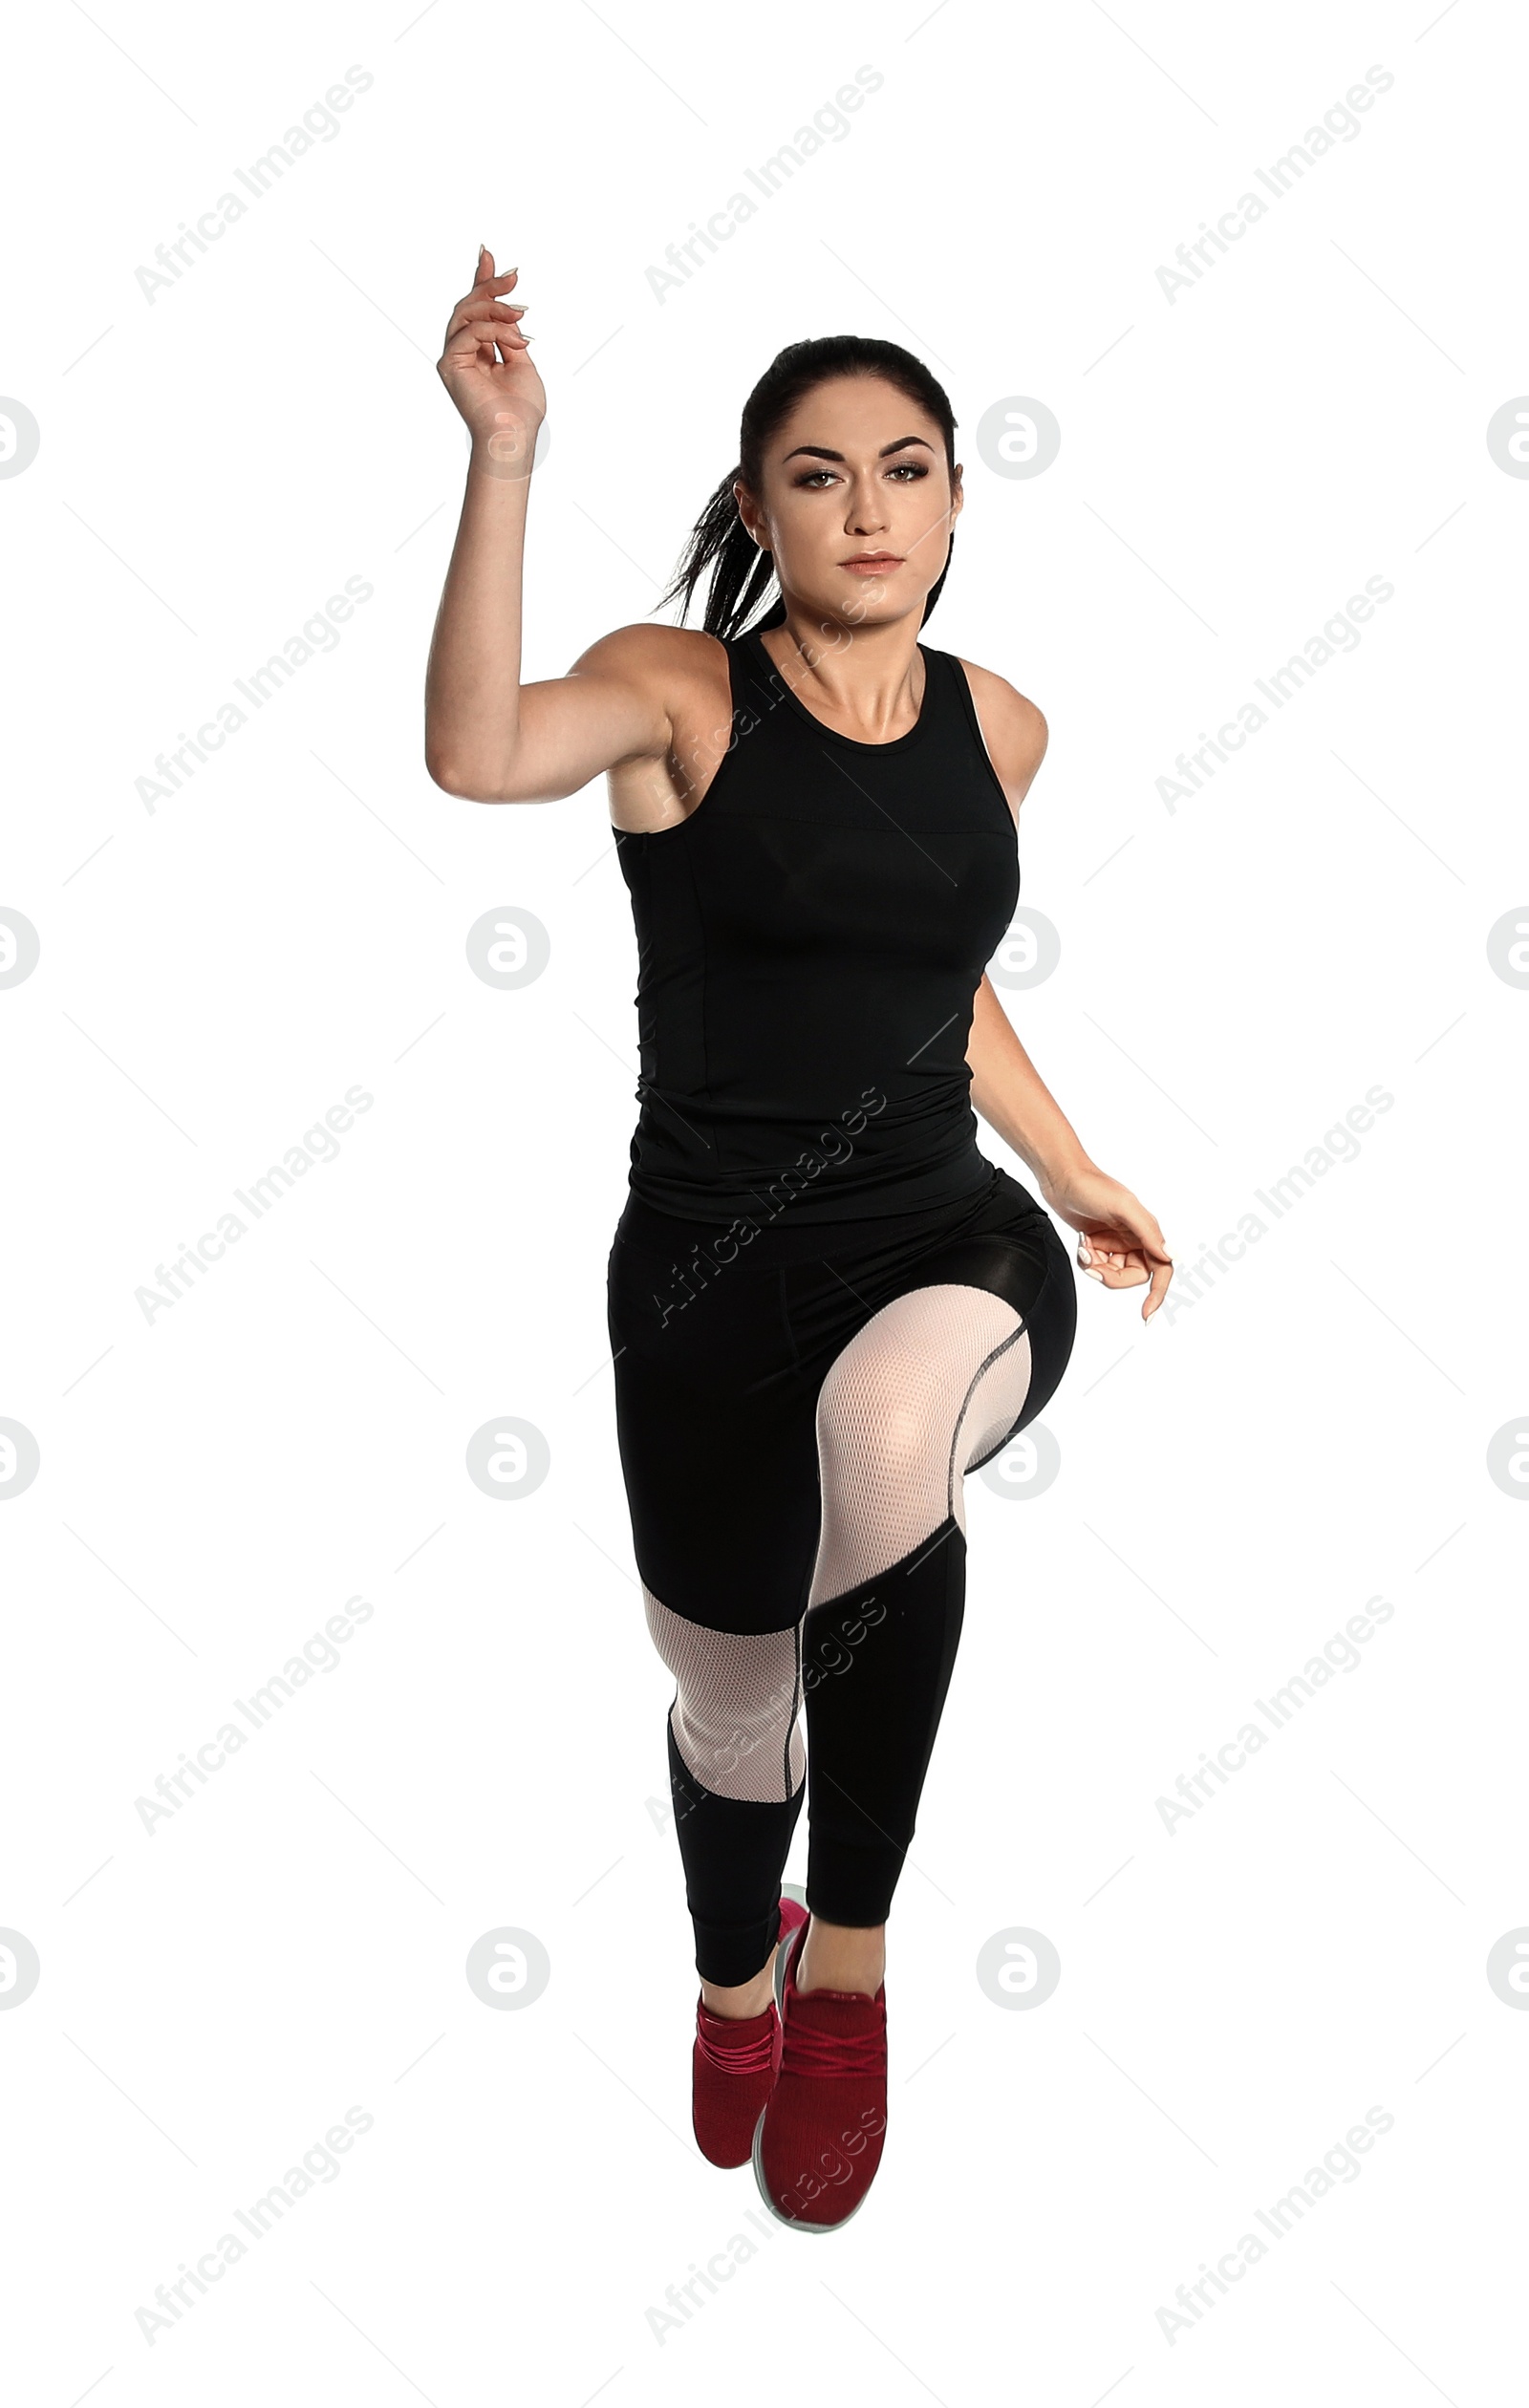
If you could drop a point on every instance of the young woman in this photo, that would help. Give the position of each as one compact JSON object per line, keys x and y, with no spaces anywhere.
{"x":826,"y":1305}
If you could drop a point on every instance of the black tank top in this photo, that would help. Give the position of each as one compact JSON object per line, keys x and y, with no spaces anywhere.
{"x":809,"y":943}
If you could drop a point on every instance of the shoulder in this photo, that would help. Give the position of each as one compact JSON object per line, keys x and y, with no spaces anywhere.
{"x":1013,"y":729}
{"x":655,"y":658}
{"x":677,"y":677}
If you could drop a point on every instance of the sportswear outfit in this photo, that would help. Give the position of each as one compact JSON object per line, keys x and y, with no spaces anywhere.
{"x":825,"y":1307}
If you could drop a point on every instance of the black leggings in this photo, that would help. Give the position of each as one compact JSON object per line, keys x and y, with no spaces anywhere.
{"x":796,"y":1408}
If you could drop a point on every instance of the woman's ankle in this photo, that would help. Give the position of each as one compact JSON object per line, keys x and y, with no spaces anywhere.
{"x":841,"y":1957}
{"x":747,"y":1998}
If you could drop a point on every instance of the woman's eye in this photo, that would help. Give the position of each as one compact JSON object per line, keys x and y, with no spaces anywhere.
{"x":912,"y":469}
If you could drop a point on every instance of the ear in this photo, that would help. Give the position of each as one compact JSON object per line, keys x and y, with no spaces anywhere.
{"x":748,"y":514}
{"x":958,"y":498}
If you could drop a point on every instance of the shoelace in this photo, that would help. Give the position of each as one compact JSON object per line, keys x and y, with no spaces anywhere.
{"x":748,"y":2056}
{"x":824,"y":2054}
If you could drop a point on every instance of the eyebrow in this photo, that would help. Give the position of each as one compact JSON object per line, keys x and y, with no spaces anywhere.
{"x":820,"y":451}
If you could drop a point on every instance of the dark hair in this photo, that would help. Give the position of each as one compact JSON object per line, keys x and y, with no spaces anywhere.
{"x":741,"y":573}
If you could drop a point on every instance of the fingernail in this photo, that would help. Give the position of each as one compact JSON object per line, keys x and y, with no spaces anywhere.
{"x":1093,"y":1275}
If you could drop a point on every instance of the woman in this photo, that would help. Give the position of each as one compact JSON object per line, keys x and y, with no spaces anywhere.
{"x":825,"y":1307}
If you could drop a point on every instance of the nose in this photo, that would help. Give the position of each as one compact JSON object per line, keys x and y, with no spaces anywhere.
{"x":867,"y":514}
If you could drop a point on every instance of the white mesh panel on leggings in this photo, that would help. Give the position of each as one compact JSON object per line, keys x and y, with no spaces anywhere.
{"x":934,"y":1380}
{"x":736,"y":1698}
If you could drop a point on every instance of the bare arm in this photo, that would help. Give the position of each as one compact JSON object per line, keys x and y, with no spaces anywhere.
{"x":1013,"y":1098}
{"x":1006,"y":1088}
{"x":1120,"y":1244}
{"x":487,"y":737}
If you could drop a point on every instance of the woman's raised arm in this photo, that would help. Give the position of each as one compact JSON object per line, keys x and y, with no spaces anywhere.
{"x":488,"y":737}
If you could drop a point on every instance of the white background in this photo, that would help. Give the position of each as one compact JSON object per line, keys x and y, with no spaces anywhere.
{"x":1235,"y":1481}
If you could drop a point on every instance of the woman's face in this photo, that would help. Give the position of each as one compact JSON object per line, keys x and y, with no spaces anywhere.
{"x":857,"y":506}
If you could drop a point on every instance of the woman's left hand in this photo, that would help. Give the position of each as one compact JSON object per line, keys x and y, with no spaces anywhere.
{"x":1119,"y":1241}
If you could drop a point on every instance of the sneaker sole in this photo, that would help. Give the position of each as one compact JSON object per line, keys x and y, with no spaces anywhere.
{"x":793,"y":2224}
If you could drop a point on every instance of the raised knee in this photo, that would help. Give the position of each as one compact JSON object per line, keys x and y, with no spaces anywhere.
{"x":879,"y":1437}
{"x":875,"y":1398}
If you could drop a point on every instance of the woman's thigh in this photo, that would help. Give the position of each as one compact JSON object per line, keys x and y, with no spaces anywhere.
{"x":751,"y":1377}
{"x":1030,"y":1269}
{"x":715,"y":1429}
{"x":1009,"y":1249}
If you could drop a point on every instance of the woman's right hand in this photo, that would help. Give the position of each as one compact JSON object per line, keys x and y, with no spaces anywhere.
{"x":501,"y":399}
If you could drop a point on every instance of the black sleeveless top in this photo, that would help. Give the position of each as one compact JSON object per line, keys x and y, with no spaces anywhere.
{"x":809,"y":943}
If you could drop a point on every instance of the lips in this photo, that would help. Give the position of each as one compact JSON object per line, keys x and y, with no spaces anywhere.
{"x":872,"y":560}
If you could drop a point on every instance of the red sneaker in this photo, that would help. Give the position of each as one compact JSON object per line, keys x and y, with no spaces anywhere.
{"x":819,"y":2139}
{"x":734,"y":2064}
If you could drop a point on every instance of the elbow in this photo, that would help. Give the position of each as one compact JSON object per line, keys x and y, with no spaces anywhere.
{"x":449,"y":783}
{"x":458,"y":779}
{"x":496,"y":773}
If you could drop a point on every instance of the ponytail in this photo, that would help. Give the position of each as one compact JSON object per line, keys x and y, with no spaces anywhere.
{"x":742,"y":573}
